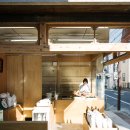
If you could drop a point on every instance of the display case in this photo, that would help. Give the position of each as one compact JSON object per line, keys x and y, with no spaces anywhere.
{"x":41,"y":114}
{"x":44,"y":113}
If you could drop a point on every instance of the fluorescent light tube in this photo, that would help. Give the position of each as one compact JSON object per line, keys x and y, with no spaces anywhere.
{"x":24,"y":40}
{"x":70,"y":27}
{"x":17,"y":27}
{"x":67,"y":40}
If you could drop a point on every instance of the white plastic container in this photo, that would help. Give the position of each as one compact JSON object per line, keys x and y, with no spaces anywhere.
{"x":1,"y":115}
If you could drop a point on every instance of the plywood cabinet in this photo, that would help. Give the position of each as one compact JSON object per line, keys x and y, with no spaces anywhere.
{"x":24,"y":79}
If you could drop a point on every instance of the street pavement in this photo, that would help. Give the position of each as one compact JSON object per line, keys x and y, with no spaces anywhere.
{"x":111,"y":100}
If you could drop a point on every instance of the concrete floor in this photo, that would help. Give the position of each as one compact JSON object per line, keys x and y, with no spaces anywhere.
{"x":118,"y":121}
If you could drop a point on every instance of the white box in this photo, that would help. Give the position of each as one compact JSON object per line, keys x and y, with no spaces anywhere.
{"x":1,"y":115}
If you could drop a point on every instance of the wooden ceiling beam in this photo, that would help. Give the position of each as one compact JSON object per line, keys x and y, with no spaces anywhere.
{"x":62,"y":49}
{"x":118,"y":59}
{"x":14,"y":48}
{"x":61,"y":58}
{"x":66,"y":17}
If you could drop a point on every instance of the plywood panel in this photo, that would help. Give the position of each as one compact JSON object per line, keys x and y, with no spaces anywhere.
{"x":60,"y":106}
{"x":74,"y":112}
{"x":32,"y":80}
{"x":3,"y":75}
{"x":15,"y":77}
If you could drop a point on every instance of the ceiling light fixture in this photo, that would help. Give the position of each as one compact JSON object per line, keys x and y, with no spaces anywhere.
{"x":17,"y":27}
{"x":24,"y":40}
{"x":103,"y":27}
{"x":70,"y":27}
{"x":72,"y":40}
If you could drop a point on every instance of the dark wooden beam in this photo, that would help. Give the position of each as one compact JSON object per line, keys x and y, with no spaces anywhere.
{"x":117,"y":59}
{"x":43,"y":35}
{"x":66,"y":17}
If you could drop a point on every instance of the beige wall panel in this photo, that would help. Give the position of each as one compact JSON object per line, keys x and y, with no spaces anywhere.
{"x":74,"y":112}
{"x":15,"y":77}
{"x":32,"y":80}
{"x":49,"y":71}
{"x":3,"y":85}
{"x":75,"y":71}
{"x":74,"y":75}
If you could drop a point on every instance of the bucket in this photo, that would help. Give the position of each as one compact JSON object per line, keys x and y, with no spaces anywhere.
{"x":49,"y":95}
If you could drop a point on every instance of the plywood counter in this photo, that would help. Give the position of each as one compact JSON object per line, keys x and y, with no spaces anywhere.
{"x":71,"y":111}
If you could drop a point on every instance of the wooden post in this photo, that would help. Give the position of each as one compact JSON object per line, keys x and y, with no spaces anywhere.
{"x":43,"y":35}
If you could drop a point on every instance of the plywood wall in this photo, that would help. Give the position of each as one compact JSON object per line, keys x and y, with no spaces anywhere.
{"x":32,"y":81}
{"x":64,"y":77}
{"x":15,"y":77}
{"x":24,"y":79}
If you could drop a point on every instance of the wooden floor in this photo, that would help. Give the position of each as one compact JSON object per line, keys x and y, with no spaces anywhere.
{"x":69,"y":126}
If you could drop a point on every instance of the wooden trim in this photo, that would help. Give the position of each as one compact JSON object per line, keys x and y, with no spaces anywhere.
{"x":43,"y":35}
{"x":13,"y":48}
{"x":62,"y":2}
{"x":80,"y":24}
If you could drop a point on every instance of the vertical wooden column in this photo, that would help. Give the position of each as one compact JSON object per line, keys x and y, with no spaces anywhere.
{"x":43,"y":35}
